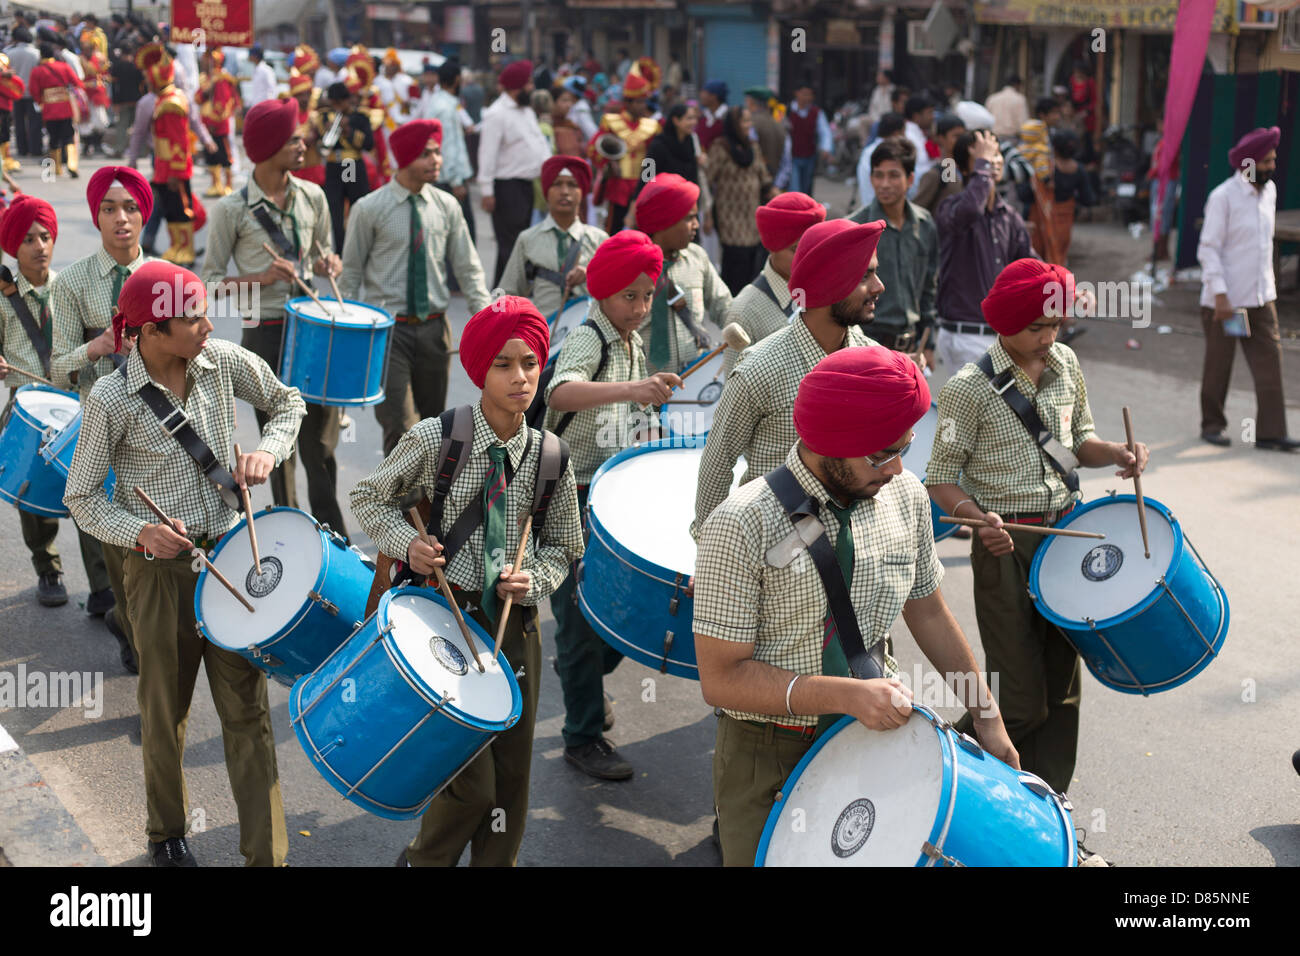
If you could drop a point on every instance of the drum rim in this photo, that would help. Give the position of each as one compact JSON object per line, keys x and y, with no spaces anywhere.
{"x":25,"y":437}
{"x":26,"y":416}
{"x":295,"y":312}
{"x":550,"y":319}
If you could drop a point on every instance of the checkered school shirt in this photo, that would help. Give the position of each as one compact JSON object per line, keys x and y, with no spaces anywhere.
{"x":755,"y":415}
{"x":982,"y":446}
{"x":708,"y":297}
{"x":538,"y":244}
{"x":15,"y":345}
{"x":742,"y":596}
{"x":119,"y":431}
{"x":755,"y":312}
{"x":82,"y":299}
{"x":413,"y":465}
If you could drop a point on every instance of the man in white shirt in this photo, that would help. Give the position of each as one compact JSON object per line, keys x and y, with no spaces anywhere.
{"x":1236,"y":256}
{"x":263,"y":87}
{"x":443,"y":104}
{"x":920,"y":114}
{"x":1009,"y":107}
{"x":511,"y":151}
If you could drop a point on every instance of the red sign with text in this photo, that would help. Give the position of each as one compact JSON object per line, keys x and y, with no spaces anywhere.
{"x":213,"y":23}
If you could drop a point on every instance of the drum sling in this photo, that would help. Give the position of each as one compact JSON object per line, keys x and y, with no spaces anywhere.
{"x":1062,"y":460}
{"x":28,"y":322}
{"x":532,"y":271}
{"x":536,"y":413}
{"x":765,"y":287}
{"x":288,"y":249}
{"x":679,"y":304}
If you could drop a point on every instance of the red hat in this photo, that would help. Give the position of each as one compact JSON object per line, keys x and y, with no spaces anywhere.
{"x":1024,"y":292}
{"x":516,"y":75}
{"x":156,"y":291}
{"x":155,"y":63}
{"x":299,"y":83}
{"x":17,"y":220}
{"x":575,"y":166}
{"x":305,"y":59}
{"x":787,"y":217}
{"x":268,"y":126}
{"x":664,"y":202}
{"x":1254,"y":145}
{"x":126,"y":177}
{"x":635,"y":87}
{"x":509,"y":317}
{"x":832,"y":259}
{"x":856,"y":401}
{"x":409,"y":139}
{"x":619,"y":260}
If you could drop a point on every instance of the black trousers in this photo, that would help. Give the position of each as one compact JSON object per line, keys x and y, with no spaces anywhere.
{"x":510,"y":216}
{"x":61,"y":133}
{"x":174,"y":202}
{"x":29,"y":127}
{"x":6,"y":123}
{"x":339,"y":188}
{"x":740,"y":264}
{"x":221,"y":155}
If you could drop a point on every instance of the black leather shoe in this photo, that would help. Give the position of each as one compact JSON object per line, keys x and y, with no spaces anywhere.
{"x":123,"y":645}
{"x":100,"y":602}
{"x":1216,"y":438}
{"x":50,"y":590}
{"x":173,"y":852}
{"x":599,"y":759}
{"x":1277,"y":444}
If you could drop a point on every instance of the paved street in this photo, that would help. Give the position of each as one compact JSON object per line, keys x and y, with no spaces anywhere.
{"x":1199,"y":775}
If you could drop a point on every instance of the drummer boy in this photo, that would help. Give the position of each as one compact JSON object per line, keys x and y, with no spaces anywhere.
{"x":549,"y":261}
{"x":986,"y":464}
{"x":502,"y":349}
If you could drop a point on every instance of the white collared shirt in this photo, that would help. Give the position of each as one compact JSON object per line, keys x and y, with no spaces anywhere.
{"x":511,"y":144}
{"x":1236,"y":244}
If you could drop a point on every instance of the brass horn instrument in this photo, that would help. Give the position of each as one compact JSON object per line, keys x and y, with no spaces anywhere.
{"x":610,"y":148}
{"x":331,"y":137}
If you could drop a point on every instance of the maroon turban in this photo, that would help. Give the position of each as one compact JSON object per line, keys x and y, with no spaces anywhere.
{"x":831,"y":260}
{"x":619,"y":260}
{"x":1254,"y":145}
{"x":664,"y":202}
{"x":509,"y":317}
{"x":787,"y":217}
{"x":17,"y":221}
{"x":268,"y":126}
{"x":516,"y":75}
{"x":1024,"y":292}
{"x":409,"y":139}
{"x":575,"y":166}
{"x":133,"y":181}
{"x":157,"y":291}
{"x":857,"y":401}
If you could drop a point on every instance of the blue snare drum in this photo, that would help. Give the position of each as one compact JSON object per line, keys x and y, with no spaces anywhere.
{"x":920,"y":795}
{"x":689,"y":410}
{"x":336,"y":359}
{"x":395,"y":713}
{"x":27,"y":479}
{"x":563,"y":321}
{"x":633,"y":577}
{"x":59,"y":449}
{"x":310,"y":595}
{"x":1142,"y":625}
{"x":917,"y":459}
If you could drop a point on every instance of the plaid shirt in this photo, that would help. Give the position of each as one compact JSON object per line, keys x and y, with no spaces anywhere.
{"x":982,"y":446}
{"x":234,"y":232}
{"x":755,"y":312}
{"x":539,"y":245}
{"x":376,"y":249}
{"x":755,"y":415}
{"x":413,"y":465}
{"x":15,"y":345}
{"x":119,"y":431}
{"x":82,"y":300}
{"x":707,"y":296}
{"x":597,"y":434}
{"x":741,"y":595}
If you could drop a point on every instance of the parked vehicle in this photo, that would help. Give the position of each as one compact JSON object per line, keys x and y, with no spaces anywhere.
{"x":1124,"y":186}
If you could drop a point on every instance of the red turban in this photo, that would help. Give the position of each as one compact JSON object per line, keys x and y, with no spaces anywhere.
{"x":157,"y":291}
{"x":619,"y":260}
{"x":831,"y":260}
{"x":17,"y":221}
{"x":635,"y":87}
{"x":267,"y":127}
{"x":409,"y":139}
{"x":664,"y":202}
{"x":857,"y":401}
{"x":787,"y":217}
{"x":575,"y":166}
{"x":1024,"y":292}
{"x":298,"y":83}
{"x":516,"y":75}
{"x":133,"y":181}
{"x":1254,"y":145}
{"x":509,"y":317}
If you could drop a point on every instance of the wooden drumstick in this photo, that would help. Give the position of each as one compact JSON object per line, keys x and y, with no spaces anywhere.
{"x":445,"y":588}
{"x":1031,"y":528}
{"x":149,"y":502}
{"x":40,"y":378}
{"x":1137,"y":482}
{"x":248,"y":510}
{"x":298,"y":279}
{"x":735,"y":338}
{"x":510,"y":598}
{"x":338,"y":296}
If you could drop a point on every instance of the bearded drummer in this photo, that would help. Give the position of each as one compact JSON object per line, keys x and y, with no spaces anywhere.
{"x":768,"y":650}
{"x":987,"y":464}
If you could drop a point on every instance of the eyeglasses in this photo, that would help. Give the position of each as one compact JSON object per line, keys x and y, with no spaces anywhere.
{"x":875,"y":461}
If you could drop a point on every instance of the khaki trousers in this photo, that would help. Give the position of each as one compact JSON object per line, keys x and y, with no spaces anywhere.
{"x":750,"y":764}
{"x":416,"y":384}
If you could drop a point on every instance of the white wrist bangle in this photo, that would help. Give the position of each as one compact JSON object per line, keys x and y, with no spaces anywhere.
{"x":960,"y":503}
{"x":790,"y":687}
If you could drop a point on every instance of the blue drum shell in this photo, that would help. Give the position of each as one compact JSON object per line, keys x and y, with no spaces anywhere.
{"x":335,"y":363}
{"x":27,"y":480}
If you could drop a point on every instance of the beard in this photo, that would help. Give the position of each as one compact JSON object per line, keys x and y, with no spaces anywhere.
{"x":840,"y":481}
{"x":1262,"y":177}
{"x":522,"y":98}
{"x":847,"y":315}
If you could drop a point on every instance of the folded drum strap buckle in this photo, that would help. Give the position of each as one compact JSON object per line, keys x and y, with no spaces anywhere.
{"x":181,"y":421}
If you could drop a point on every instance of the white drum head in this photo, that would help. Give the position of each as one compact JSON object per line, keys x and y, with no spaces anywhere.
{"x":289,"y":543}
{"x":1083,"y":578}
{"x":869,"y":798}
{"x":429,"y":639}
{"x":346,"y":314}
{"x":704,"y":386}
{"x":574,"y":314}
{"x":917,"y":458}
{"x":51,"y":409}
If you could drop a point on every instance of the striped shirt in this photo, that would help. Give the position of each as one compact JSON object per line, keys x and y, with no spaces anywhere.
{"x":15,"y":345}
{"x":83,"y":302}
{"x":413,"y":466}
{"x":748,"y":592}
{"x":755,"y":312}
{"x":982,"y":446}
{"x":707,"y":296}
{"x":539,"y":245}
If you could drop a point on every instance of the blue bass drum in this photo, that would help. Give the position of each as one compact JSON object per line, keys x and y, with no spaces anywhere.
{"x":565,"y":320}
{"x":58,"y":451}
{"x":28,"y":480}
{"x":920,"y":795}
{"x":917,"y":459}
{"x":1142,"y":625}
{"x":335,"y":359}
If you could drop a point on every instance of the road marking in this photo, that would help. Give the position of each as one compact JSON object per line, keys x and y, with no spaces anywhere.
{"x":7,"y":743}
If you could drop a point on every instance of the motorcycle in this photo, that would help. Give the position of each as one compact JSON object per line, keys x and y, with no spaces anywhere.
{"x":1124,"y":185}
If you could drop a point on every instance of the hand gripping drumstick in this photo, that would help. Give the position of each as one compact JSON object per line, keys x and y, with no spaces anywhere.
{"x":1031,"y":528}
{"x":149,"y":502}
{"x":248,"y":510}
{"x":510,"y":598}
{"x":40,"y":378}
{"x":734,"y":337}
{"x":298,"y":279}
{"x":445,"y":588}
{"x":338,"y":296}
{"x":1137,"y":482}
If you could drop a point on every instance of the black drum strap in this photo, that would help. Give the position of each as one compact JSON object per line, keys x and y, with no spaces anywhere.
{"x":1062,"y":460}
{"x":287,"y":248}
{"x":29,"y":323}
{"x":567,"y":417}
{"x":532,"y":271}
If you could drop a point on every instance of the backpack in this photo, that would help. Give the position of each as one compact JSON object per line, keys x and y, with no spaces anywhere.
{"x":536,"y":413}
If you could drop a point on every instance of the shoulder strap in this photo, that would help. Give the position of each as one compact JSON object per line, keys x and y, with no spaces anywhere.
{"x":277,"y":235}
{"x":534,"y":271}
{"x":176,"y":423}
{"x":28,"y":322}
{"x":457,"y":437}
{"x":552,"y":461}
{"x":567,"y":417}
{"x":1062,"y":460}
{"x":765,"y":287}
{"x":797,"y":504}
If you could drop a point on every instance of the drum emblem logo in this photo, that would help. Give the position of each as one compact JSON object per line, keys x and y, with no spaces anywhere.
{"x":260,"y":585}
{"x":853,"y":827}
{"x":448,"y":655}
{"x":710,"y":393}
{"x":1102,"y":562}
